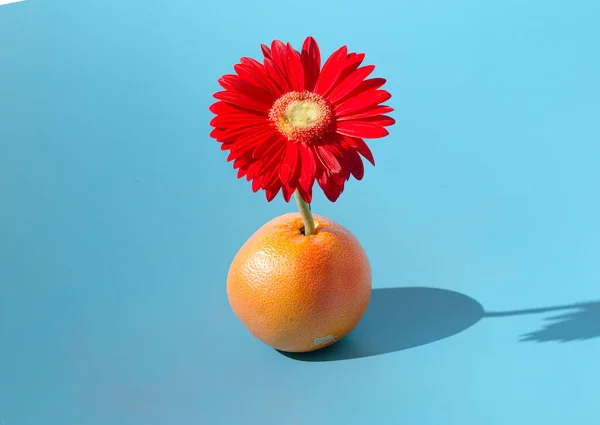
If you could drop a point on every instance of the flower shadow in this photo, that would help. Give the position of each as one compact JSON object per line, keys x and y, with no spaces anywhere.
{"x":580,"y":322}
{"x":579,"y":325}
{"x":401,"y":318}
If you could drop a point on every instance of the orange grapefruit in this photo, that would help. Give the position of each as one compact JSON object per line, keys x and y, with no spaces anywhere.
{"x":300,"y":293}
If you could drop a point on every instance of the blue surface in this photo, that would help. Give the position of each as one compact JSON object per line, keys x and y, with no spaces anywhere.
{"x":119,"y":217}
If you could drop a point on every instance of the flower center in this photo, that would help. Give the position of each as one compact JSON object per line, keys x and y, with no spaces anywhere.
{"x":301,"y":116}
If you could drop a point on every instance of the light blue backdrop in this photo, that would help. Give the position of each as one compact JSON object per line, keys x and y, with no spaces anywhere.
{"x":119,"y":217}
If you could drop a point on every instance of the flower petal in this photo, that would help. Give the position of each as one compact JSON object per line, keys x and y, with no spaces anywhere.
{"x":331,"y":190}
{"x":308,"y":168}
{"x":265,"y":51}
{"x":272,"y":160}
{"x":338,"y":153}
{"x":256,"y":183}
{"x":238,"y":150}
{"x":311,"y":62}
{"x":370,"y":84}
{"x":305,"y":194}
{"x":362,"y":148}
{"x":286,"y":60}
{"x":331,"y":70}
{"x":221,"y":107}
{"x":350,"y":83}
{"x":363,"y":129}
{"x":252,"y":171}
{"x":328,"y":159}
{"x":294,"y":69}
{"x":343,"y":69}
{"x":234,"y":83}
{"x":253,"y":136}
{"x":289,"y":164}
{"x":254,"y":72}
{"x":236,"y":120}
{"x":351,"y":64}
{"x":357,"y":167}
{"x":240,"y":162}
{"x":365,"y":100}
{"x":239,"y":99}
{"x":271,"y":191}
{"x":270,"y":177}
{"x":266,"y":147}
{"x":382,"y":120}
{"x":277,"y":75}
{"x":379,"y":110}
{"x":287,"y":192}
{"x":278,"y":54}
{"x":238,"y":133}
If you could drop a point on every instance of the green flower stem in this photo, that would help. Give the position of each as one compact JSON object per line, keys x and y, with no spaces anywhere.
{"x":307,"y":218}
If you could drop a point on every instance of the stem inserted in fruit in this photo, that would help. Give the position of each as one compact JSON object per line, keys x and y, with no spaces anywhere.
{"x":307,"y":218}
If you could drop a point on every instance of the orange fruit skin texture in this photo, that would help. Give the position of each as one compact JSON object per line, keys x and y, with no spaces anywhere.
{"x":300,"y":293}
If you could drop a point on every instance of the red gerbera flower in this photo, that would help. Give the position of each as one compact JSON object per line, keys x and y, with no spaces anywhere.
{"x":286,"y":122}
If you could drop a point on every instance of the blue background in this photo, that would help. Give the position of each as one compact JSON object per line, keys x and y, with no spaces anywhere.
{"x":119,"y":217}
